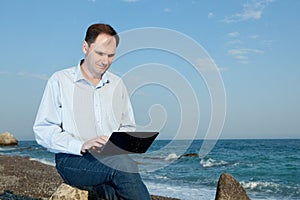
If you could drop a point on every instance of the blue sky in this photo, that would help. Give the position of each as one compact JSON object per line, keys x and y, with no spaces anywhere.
{"x":254,"y":43}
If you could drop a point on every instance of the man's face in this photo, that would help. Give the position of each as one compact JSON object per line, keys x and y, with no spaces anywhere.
{"x":100,"y":54}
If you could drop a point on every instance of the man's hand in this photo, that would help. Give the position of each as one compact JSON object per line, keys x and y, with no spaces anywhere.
{"x":94,"y":143}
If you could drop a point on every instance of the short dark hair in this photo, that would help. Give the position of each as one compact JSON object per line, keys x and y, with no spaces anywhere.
{"x":96,"y":29}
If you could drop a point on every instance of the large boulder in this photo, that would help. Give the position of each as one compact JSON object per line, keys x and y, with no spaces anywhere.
{"x":230,"y":189}
{"x":65,"y":191}
{"x":7,"y":139}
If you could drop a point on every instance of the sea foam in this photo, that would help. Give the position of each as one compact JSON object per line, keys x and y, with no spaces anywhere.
{"x":171,"y":157}
{"x":212,"y":163}
{"x":44,"y":161}
{"x":180,"y":192}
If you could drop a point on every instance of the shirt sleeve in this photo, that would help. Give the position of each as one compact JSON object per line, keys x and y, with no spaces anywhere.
{"x":127,"y":118}
{"x":48,"y":125}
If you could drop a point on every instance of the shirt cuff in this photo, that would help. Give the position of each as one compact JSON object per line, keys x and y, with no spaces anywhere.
{"x":75,"y":147}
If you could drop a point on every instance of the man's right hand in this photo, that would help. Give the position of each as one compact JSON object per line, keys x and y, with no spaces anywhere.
{"x":94,"y":143}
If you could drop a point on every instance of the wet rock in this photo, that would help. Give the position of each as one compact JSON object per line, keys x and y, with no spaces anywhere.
{"x":189,"y":155}
{"x":230,"y":189}
{"x":7,"y":139}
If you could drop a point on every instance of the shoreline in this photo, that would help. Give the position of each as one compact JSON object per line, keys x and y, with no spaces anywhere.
{"x":24,"y":178}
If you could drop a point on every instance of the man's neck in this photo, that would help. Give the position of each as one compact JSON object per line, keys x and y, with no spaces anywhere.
{"x":88,"y":75}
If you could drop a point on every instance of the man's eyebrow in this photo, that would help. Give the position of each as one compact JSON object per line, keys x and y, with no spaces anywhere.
{"x":102,"y":53}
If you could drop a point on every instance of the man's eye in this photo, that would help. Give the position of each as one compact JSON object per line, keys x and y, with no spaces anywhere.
{"x":103,"y":54}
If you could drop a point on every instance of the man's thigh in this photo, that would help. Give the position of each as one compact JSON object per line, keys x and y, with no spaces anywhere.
{"x":82,"y":170}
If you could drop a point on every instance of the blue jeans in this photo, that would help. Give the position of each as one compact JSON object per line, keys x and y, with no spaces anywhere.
{"x":113,"y":177}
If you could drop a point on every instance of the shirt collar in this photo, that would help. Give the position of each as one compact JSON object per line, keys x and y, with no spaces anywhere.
{"x":79,"y":76}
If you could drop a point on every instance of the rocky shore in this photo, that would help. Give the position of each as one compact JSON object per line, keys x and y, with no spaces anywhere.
{"x":25,"y":179}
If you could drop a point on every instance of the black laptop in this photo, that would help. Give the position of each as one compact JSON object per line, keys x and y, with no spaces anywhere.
{"x":127,"y":143}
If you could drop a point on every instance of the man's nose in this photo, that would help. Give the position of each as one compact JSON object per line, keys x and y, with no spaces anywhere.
{"x":104,"y":59}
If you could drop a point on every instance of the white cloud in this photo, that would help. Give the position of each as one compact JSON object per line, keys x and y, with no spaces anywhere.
{"x":167,"y":10}
{"x":32,"y":75}
{"x":208,"y":65}
{"x":244,"y":51}
{"x":210,"y":15}
{"x":233,"y":34}
{"x":242,"y":55}
{"x":253,"y":36}
{"x":234,"y":42}
{"x":130,"y":1}
{"x":251,"y":10}
{"x":26,"y":74}
{"x":244,"y":61}
{"x":268,"y":43}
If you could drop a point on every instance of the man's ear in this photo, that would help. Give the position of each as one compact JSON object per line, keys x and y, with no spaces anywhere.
{"x":85,"y":47}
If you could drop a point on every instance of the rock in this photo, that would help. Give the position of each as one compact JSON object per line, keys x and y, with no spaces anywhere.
{"x":65,"y":192}
{"x":189,"y":155}
{"x":9,"y":195}
{"x":230,"y":189}
{"x":7,"y":139}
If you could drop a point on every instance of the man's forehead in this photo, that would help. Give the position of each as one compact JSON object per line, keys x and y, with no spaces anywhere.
{"x":106,"y":40}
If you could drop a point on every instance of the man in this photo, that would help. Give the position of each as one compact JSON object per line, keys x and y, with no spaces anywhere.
{"x":80,"y":108}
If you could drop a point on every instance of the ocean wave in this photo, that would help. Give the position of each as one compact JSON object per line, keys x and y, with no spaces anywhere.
{"x":209,"y":162}
{"x":171,"y":156}
{"x":271,"y":188}
{"x":7,"y":148}
{"x":180,"y":191}
{"x":161,"y":177}
{"x":259,"y":185}
{"x":44,"y":161}
{"x":265,"y":185}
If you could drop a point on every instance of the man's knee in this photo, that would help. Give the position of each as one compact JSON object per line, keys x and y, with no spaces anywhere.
{"x":121,"y":163}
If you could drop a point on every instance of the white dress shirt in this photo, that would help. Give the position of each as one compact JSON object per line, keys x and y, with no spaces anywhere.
{"x":73,"y":110}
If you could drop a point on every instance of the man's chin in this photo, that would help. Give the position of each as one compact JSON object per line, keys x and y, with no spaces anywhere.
{"x":102,"y":72}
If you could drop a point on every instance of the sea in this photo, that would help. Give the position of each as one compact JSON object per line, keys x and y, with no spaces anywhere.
{"x":266,"y":168}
